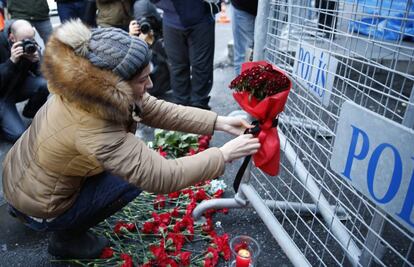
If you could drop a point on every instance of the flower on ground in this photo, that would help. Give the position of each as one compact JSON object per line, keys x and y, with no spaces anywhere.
{"x":123,"y":227}
{"x":127,"y":260}
{"x":107,"y":253}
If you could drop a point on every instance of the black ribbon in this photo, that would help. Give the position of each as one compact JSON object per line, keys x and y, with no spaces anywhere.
{"x":254,"y":131}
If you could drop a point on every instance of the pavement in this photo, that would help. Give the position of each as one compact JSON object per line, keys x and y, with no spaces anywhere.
{"x":20,"y":246}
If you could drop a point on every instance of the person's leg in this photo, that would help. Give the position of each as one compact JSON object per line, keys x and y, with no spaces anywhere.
{"x":34,"y":89}
{"x":201,"y":43}
{"x":80,"y":9}
{"x":44,"y":28}
{"x":100,"y":197}
{"x":176,"y":48}
{"x":12,"y":125}
{"x":66,"y":11}
{"x":243,"y":36}
{"x":71,"y":10}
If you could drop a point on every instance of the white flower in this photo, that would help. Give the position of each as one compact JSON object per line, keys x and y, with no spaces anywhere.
{"x":216,"y":185}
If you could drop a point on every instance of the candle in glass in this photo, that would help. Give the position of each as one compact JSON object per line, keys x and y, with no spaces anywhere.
{"x":243,"y":258}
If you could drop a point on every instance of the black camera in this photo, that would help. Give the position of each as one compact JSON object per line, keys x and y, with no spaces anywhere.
{"x":145,"y":25}
{"x":29,"y":46}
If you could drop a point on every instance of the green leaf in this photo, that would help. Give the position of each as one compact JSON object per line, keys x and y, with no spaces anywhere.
{"x":183,"y":145}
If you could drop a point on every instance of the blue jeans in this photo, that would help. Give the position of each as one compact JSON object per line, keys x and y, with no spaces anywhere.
{"x":243,"y":35}
{"x":11,"y":124}
{"x":94,"y":204}
{"x":71,"y":10}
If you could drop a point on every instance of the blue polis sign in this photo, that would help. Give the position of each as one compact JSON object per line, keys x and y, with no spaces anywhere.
{"x":376,"y":155}
{"x":315,"y":69}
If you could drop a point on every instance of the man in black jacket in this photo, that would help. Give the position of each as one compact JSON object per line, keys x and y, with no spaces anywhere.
{"x":20,"y":78}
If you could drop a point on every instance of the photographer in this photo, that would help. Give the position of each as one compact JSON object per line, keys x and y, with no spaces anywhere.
{"x":19,"y":78}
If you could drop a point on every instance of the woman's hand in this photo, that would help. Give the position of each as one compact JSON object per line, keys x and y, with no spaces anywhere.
{"x":232,"y":125}
{"x":240,"y":146}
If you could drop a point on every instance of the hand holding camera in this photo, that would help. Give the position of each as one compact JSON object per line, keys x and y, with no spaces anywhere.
{"x":16,"y":52}
{"x":27,"y":48}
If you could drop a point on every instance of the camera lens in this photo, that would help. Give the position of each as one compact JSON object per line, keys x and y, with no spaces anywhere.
{"x":29,"y":46}
{"x":145,"y":27}
{"x":29,"y":49}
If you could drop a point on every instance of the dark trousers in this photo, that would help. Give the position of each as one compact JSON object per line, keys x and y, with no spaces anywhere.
{"x":11,"y":124}
{"x":190,"y":55}
{"x":71,"y":10}
{"x":101,"y":196}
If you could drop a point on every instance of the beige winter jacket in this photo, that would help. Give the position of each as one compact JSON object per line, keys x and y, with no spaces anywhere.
{"x":84,"y":129}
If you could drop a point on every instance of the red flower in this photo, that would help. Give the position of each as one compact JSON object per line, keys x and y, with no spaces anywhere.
{"x":190,"y":208}
{"x":191,"y":152}
{"x":148,"y":227}
{"x":201,"y":195}
{"x":208,"y":226}
{"x":123,"y":227}
{"x":130,"y":227}
{"x":219,"y":193}
{"x":177,"y":227}
{"x":221,"y":243}
{"x":189,"y":192}
{"x":168,"y":263}
{"x":212,"y":256}
{"x":209,"y":213}
{"x":156,"y":217}
{"x":187,"y":221}
{"x":165,"y":218}
{"x":175,"y":212}
{"x":208,"y":263}
{"x":203,"y":143}
{"x":148,"y":264}
{"x":162,"y":152}
{"x":176,"y":239}
{"x":127,"y":260}
{"x":174,"y":194}
{"x":107,"y":253}
{"x":159,"y":252}
{"x":185,"y":258}
{"x":225,"y":210}
{"x":159,"y":202}
{"x":212,"y":234}
{"x":260,"y":81}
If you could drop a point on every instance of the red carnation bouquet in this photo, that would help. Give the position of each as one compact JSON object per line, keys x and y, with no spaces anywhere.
{"x":262,"y":91}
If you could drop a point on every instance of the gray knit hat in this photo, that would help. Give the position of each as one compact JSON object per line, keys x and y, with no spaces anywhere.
{"x":107,"y":48}
{"x":116,"y":50}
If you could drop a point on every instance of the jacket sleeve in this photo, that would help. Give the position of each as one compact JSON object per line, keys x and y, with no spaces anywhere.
{"x":161,"y":114}
{"x":123,"y":154}
{"x":35,"y":68}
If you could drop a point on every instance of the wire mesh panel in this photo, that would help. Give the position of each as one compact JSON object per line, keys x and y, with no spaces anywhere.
{"x":337,"y":51}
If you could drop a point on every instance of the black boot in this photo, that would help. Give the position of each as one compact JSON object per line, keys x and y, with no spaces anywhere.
{"x":71,"y":245}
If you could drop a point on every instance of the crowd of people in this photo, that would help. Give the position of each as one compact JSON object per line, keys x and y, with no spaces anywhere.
{"x":79,"y":161}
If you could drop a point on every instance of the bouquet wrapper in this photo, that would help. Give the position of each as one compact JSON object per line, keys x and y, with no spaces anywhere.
{"x":265,"y":111}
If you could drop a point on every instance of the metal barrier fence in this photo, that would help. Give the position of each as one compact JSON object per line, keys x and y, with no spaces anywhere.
{"x":345,"y":194}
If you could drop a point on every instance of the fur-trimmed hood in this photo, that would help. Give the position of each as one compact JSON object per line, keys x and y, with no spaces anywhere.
{"x":72,"y":76}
